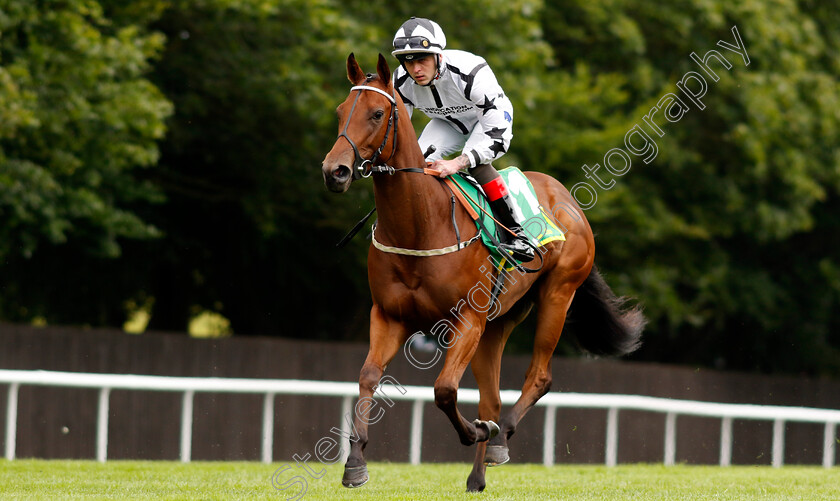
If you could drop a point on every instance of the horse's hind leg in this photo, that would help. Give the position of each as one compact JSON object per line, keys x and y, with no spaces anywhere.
{"x":486,"y":366}
{"x":458,"y":357}
{"x":552,"y":307}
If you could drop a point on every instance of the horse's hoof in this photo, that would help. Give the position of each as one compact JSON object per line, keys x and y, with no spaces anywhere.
{"x":474,"y":487}
{"x":496,"y":455}
{"x":355,"y":476}
{"x":491,"y":428}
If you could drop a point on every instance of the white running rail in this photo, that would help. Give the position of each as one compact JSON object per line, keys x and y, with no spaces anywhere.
{"x":419,"y":395}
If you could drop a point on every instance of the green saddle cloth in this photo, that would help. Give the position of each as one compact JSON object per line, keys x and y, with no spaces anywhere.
{"x":538,"y":224}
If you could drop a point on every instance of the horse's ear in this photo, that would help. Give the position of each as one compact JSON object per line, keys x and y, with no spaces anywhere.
{"x":383,"y":70}
{"x":354,"y":72}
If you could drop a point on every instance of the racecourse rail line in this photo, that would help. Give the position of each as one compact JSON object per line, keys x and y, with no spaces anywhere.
{"x":419,"y":395}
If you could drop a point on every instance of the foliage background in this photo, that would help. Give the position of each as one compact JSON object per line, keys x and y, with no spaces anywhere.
{"x":162,"y":157}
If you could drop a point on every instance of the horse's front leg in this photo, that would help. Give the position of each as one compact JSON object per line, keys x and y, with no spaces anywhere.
{"x":458,"y":356}
{"x":386,"y":339}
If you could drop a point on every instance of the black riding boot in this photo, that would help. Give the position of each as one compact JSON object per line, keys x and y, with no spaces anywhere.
{"x":517,"y":246}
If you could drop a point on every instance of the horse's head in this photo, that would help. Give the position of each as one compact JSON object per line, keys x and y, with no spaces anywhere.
{"x":366,"y":125}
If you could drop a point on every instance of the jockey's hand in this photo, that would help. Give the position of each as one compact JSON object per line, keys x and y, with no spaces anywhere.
{"x":449,"y":167}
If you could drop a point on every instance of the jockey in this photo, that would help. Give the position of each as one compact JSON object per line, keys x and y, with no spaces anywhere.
{"x":469,"y":112}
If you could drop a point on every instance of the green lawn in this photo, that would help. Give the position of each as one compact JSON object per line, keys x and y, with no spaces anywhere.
{"x":36,"y":479}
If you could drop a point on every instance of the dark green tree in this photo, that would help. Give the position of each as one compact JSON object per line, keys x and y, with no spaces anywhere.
{"x":251,"y":230}
{"x":79,"y":122}
{"x":722,"y":235}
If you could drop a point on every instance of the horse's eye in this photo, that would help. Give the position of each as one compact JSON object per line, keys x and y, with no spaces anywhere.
{"x":378,"y":114}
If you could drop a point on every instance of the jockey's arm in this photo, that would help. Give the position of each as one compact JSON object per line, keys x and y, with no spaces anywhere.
{"x":494,"y":131}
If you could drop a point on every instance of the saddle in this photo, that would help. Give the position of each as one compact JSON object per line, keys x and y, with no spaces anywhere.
{"x":537,"y":223}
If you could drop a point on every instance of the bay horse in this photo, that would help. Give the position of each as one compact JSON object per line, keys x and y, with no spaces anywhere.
{"x":410,"y":293}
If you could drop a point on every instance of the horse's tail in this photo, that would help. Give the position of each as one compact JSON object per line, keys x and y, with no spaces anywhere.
{"x":601,"y":322}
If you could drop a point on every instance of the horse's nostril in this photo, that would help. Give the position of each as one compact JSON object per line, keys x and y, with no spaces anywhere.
{"x":342,"y":172}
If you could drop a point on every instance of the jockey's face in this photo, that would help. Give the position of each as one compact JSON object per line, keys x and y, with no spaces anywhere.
{"x":421,"y":69}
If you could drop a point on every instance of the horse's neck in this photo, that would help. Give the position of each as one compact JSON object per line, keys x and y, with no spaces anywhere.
{"x":409,"y":205}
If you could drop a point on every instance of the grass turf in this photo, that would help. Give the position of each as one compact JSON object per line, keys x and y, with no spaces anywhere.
{"x":38,"y":479}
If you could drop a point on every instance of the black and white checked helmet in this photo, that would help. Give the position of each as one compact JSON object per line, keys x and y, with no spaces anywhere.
{"x":418,"y":36}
